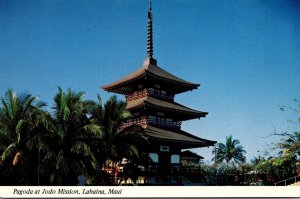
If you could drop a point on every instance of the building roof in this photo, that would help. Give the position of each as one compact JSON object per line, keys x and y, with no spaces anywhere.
{"x":168,"y":136}
{"x":164,"y":105}
{"x":189,"y":154}
{"x":179,"y":137}
{"x":150,"y":71}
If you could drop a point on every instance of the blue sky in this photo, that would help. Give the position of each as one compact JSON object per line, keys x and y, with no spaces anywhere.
{"x":244,"y":53}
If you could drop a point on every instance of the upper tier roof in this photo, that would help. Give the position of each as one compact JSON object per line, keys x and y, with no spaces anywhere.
{"x":150,"y":71}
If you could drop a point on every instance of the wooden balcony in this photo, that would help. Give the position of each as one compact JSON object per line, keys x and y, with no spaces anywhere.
{"x":137,"y":95}
{"x":155,"y":122}
{"x":149,"y":92}
{"x":137,"y":121}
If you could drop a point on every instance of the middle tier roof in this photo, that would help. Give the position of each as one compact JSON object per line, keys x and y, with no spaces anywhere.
{"x":180,"y":112}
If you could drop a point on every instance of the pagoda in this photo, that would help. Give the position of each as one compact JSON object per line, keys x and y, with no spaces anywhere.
{"x":150,"y":92}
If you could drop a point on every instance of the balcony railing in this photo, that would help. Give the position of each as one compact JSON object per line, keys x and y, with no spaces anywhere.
{"x":153,"y":121}
{"x":149,"y":92}
{"x":136,"y":121}
{"x":137,"y":94}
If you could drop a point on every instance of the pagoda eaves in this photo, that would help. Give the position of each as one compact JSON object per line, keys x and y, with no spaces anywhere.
{"x":177,"y":137}
{"x":150,"y":72}
{"x":178,"y":110}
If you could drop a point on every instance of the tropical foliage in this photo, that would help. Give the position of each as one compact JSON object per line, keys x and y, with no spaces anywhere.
{"x":21,"y":122}
{"x":282,"y":166}
{"x":117,"y":144}
{"x":70,"y":154}
{"x":81,"y":137}
{"x":231,"y":151}
{"x":290,"y":144}
{"x":39,"y":148}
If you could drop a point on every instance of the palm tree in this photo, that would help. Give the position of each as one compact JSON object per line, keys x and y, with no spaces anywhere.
{"x":21,"y":120}
{"x":257,"y":160}
{"x":290,"y":144}
{"x":71,"y":153}
{"x":118,"y":143}
{"x":231,"y":151}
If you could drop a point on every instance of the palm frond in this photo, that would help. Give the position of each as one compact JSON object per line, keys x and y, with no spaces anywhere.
{"x":21,"y":130}
{"x":48,"y":163}
{"x":5,"y":139}
{"x":9,"y":152}
{"x":81,"y":148}
{"x":91,"y":131}
{"x":62,"y":163}
{"x":230,"y":151}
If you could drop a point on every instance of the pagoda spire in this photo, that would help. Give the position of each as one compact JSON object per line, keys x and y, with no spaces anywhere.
{"x":150,"y":33}
{"x":150,"y":58}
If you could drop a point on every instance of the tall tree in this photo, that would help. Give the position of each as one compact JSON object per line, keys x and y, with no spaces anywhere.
{"x":258,"y":159}
{"x":71,"y":154}
{"x":21,"y":120}
{"x":231,"y":151}
{"x":117,"y":143}
{"x":290,"y":143}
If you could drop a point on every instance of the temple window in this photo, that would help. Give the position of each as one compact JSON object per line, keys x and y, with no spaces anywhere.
{"x":153,"y":157}
{"x":175,"y":159}
{"x":164,"y":148}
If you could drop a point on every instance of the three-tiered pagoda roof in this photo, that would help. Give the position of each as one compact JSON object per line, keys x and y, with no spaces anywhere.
{"x":150,"y":92}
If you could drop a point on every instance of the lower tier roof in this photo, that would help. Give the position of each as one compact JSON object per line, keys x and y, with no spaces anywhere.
{"x":177,"y":137}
